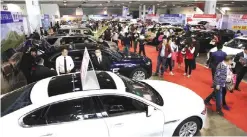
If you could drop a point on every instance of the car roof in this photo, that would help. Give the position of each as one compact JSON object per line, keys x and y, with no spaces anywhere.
{"x":67,"y":36}
{"x":62,"y":87}
{"x":244,"y":37}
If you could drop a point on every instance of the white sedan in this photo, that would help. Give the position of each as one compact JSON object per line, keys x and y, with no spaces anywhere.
{"x":58,"y":107}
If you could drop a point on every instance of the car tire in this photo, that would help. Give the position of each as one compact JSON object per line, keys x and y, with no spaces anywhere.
{"x":193,"y":120}
{"x":140,"y":72}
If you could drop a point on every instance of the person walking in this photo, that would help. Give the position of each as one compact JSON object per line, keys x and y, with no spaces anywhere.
{"x":142,"y":43}
{"x":126,"y":43}
{"x":169,"y":51}
{"x":241,"y":65}
{"x":189,"y":56}
{"x":220,"y":79}
{"x":215,"y":58}
{"x":161,"y":59}
{"x":196,"y":53}
{"x":64,"y":63}
{"x":136,"y":38}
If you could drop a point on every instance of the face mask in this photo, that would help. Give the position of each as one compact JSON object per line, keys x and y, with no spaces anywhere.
{"x":97,"y":54}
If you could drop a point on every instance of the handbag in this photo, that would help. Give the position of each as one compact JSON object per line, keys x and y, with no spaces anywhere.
{"x":230,"y":85}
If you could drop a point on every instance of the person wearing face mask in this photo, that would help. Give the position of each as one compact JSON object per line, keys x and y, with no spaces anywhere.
{"x":100,"y":61}
{"x":64,"y":63}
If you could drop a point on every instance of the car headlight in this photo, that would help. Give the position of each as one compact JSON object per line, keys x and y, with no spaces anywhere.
{"x":148,"y":63}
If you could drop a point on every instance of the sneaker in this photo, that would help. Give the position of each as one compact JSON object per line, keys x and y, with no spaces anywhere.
{"x":185,"y":74}
{"x":188,"y":76}
{"x":171,"y":73}
{"x":220,"y":113}
{"x":207,"y":103}
{"x":226,"y":107}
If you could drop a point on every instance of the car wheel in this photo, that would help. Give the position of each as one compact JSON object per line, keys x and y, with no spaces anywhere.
{"x":189,"y":127}
{"x":138,"y":74}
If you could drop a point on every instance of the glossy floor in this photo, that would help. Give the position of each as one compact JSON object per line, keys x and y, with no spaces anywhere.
{"x":217,"y":125}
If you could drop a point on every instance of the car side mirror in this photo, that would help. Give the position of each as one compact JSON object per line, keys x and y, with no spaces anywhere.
{"x":150,"y":111}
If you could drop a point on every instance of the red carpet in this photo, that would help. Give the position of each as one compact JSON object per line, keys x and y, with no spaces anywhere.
{"x":200,"y":82}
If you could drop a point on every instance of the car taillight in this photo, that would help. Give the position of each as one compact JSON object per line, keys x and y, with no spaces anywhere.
{"x":204,"y":111}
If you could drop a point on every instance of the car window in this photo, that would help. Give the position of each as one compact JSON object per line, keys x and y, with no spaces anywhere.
{"x":143,"y":90}
{"x":72,"y":110}
{"x":16,"y":100}
{"x":36,"y":118}
{"x":236,"y":43}
{"x":120,"y":105}
{"x":53,"y":58}
{"x":76,"y":55}
{"x":51,"y":41}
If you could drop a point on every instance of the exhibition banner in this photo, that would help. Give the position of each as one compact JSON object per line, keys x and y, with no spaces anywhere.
{"x":172,"y":18}
{"x":152,"y":17}
{"x":237,"y":22}
{"x":12,"y":30}
{"x":212,"y":19}
{"x":45,"y":21}
{"x":125,"y":11}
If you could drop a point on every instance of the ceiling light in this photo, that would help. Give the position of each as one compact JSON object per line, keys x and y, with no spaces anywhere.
{"x":233,"y":2}
{"x":225,"y":8}
{"x":100,"y":4}
{"x":108,"y":1}
{"x":174,"y":5}
{"x":130,"y":2}
{"x":158,"y":4}
{"x":65,"y":4}
{"x":64,"y":1}
{"x":123,"y":3}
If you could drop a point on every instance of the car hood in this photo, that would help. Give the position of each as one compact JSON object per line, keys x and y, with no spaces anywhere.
{"x":229,"y":51}
{"x":179,"y":101}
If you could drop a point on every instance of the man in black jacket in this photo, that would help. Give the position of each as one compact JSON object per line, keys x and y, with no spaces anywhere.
{"x":100,"y":61}
{"x":42,"y":72}
{"x":241,"y":65}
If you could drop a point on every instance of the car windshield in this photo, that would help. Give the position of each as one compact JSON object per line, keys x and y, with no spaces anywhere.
{"x":236,"y":43}
{"x":63,"y":31}
{"x":16,"y":100}
{"x":143,"y":90}
{"x":114,"y":53}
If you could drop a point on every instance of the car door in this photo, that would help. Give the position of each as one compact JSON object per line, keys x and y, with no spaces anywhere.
{"x":77,"y":118}
{"x":126,"y":116}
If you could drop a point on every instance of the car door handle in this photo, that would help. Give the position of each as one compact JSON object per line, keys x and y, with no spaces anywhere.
{"x":119,"y":124}
{"x":47,"y":135}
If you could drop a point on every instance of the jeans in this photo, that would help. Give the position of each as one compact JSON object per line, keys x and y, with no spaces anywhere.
{"x":126,"y":50}
{"x":218,"y":95}
{"x":161,"y":61}
{"x":169,"y":63}
{"x":142,"y":50}
{"x":188,"y":65}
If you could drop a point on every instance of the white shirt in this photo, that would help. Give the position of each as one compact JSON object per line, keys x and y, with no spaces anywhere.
{"x":162,"y":52}
{"x":99,"y":59}
{"x":60,"y":64}
{"x":115,"y":36}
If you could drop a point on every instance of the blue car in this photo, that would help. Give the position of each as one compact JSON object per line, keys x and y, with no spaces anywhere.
{"x":134,"y":66}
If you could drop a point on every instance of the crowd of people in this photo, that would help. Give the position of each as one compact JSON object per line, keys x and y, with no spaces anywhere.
{"x":171,"y":50}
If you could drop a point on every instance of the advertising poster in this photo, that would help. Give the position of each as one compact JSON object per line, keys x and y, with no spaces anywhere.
{"x":152,"y":17}
{"x":213,"y":19}
{"x":45,"y":22}
{"x":125,"y":11}
{"x":238,"y":22}
{"x":172,"y":18}
{"x":12,"y":30}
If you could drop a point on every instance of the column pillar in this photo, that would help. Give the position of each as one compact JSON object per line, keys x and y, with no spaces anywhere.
{"x":210,"y":7}
{"x":140,"y":11}
{"x":33,"y":14}
{"x":153,"y":9}
{"x":144,"y":11}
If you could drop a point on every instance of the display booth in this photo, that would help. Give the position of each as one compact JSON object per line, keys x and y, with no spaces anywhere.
{"x":99,"y":17}
{"x":212,"y":19}
{"x":152,"y":17}
{"x":172,"y":18}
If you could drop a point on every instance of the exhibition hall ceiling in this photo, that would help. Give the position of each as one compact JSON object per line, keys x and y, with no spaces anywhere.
{"x":133,"y":3}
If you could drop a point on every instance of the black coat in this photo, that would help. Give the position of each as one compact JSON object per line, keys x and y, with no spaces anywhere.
{"x":238,"y":66}
{"x":104,"y":65}
{"x":42,"y":72}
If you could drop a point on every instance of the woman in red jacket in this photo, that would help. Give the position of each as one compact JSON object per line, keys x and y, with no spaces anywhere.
{"x":189,"y":56}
